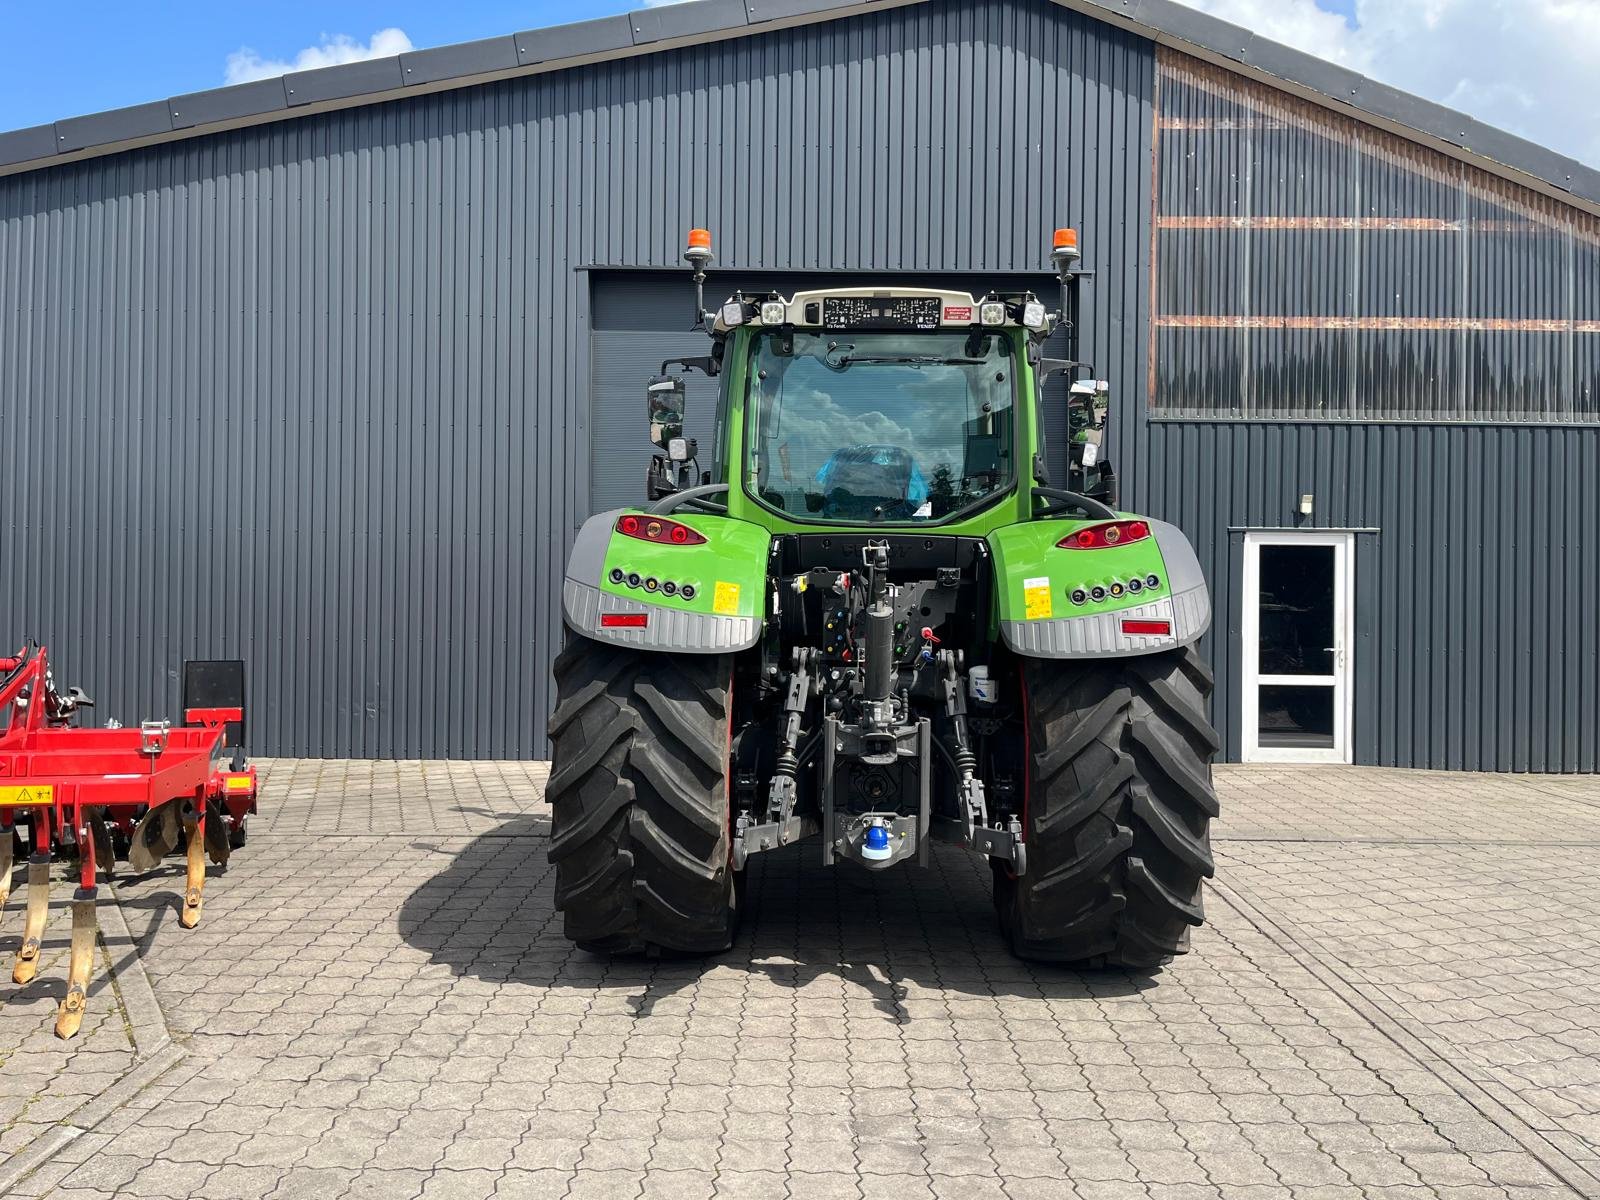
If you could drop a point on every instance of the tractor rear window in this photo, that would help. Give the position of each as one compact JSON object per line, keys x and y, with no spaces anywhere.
{"x":894,"y":427}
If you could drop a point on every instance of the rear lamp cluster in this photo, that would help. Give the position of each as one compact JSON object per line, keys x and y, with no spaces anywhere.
{"x":1099,"y":537}
{"x":657,"y":529}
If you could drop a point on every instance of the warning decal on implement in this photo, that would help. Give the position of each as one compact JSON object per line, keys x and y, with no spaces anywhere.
{"x":23,"y":797}
{"x":725,"y":601}
{"x":1036,"y":598}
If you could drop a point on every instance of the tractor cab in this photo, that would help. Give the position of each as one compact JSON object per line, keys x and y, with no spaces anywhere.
{"x":885,"y":406}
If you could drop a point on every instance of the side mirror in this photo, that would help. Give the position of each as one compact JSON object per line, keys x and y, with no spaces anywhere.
{"x":1090,"y":404}
{"x":1088,"y":415}
{"x":665,"y":399}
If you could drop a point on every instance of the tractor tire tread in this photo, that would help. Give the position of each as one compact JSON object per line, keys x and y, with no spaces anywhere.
{"x":1119,"y":806}
{"x":639,"y":796}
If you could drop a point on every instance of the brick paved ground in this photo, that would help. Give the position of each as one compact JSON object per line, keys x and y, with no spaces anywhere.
{"x":43,"y":1079}
{"x":1396,"y":996}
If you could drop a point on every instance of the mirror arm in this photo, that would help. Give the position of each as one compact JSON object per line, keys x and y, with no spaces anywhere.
{"x":700,"y":314}
{"x":1071,"y":285}
{"x":1058,"y":366}
{"x":707,"y":364}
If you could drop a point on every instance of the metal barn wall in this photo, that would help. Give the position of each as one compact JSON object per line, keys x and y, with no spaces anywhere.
{"x":1477,"y":626}
{"x":314,"y":393}
{"x":1443,"y":325}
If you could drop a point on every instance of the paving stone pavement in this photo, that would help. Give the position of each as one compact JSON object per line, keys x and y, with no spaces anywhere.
{"x":42,"y":1078}
{"x":1395,"y":996}
{"x":1486,"y":944}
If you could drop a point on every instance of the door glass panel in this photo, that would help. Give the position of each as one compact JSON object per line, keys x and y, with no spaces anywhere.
{"x":1296,"y":716}
{"x":1296,"y":611}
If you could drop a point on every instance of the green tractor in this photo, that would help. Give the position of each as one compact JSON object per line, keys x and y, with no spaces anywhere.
{"x":874,"y":621}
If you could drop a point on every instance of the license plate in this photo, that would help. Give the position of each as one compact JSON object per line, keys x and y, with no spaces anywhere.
{"x":27,"y":796}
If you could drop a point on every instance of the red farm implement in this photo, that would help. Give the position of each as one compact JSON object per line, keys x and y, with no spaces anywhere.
{"x":87,"y":790}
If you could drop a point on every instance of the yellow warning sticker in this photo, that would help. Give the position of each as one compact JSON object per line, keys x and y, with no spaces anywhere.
{"x":238,"y":783}
{"x":725,"y":601}
{"x":1036,"y":597}
{"x":21,"y":797}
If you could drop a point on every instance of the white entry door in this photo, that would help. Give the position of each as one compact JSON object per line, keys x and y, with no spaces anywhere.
{"x":1299,"y":589}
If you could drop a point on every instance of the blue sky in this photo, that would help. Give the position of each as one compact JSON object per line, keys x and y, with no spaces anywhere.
{"x":60,"y":60}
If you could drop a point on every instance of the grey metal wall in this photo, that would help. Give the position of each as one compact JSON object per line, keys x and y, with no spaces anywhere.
{"x":1443,"y":323}
{"x":1477,"y":623}
{"x":315,"y":393}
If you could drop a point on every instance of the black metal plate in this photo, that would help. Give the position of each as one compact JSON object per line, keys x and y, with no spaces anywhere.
{"x":881,"y":312}
{"x":216,"y":683}
{"x":908,"y":552}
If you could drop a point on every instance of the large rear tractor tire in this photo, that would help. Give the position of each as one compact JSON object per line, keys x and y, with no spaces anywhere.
{"x":1119,"y":807}
{"x":639,"y":789}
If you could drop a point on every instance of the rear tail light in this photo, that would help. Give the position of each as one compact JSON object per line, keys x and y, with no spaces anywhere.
{"x":624,"y":620}
{"x":1147,"y":628}
{"x":658,"y":529}
{"x":1098,"y":537}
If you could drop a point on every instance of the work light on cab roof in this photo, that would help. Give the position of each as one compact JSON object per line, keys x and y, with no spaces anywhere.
{"x":868,"y":618}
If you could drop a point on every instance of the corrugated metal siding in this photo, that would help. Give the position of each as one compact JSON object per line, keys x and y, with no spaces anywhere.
{"x":315,"y":394}
{"x":1311,"y":266}
{"x":1477,"y":640}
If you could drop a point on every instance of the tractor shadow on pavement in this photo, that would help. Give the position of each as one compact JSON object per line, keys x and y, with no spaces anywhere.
{"x":907,"y":938}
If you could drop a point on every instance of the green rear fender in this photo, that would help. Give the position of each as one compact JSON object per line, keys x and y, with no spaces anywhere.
{"x":708,"y":598}
{"x":1068,"y":603}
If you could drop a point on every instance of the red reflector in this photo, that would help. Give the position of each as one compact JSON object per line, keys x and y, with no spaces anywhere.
{"x":1147,"y":628}
{"x":624,"y":620}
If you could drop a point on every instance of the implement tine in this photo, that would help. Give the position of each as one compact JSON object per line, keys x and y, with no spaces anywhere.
{"x":194,"y":884}
{"x":73,"y":1004}
{"x":33,"y":925}
{"x":8,"y":837}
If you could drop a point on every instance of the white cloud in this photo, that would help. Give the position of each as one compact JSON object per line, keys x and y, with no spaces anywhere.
{"x":245,"y":64}
{"x":1522,"y":65}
